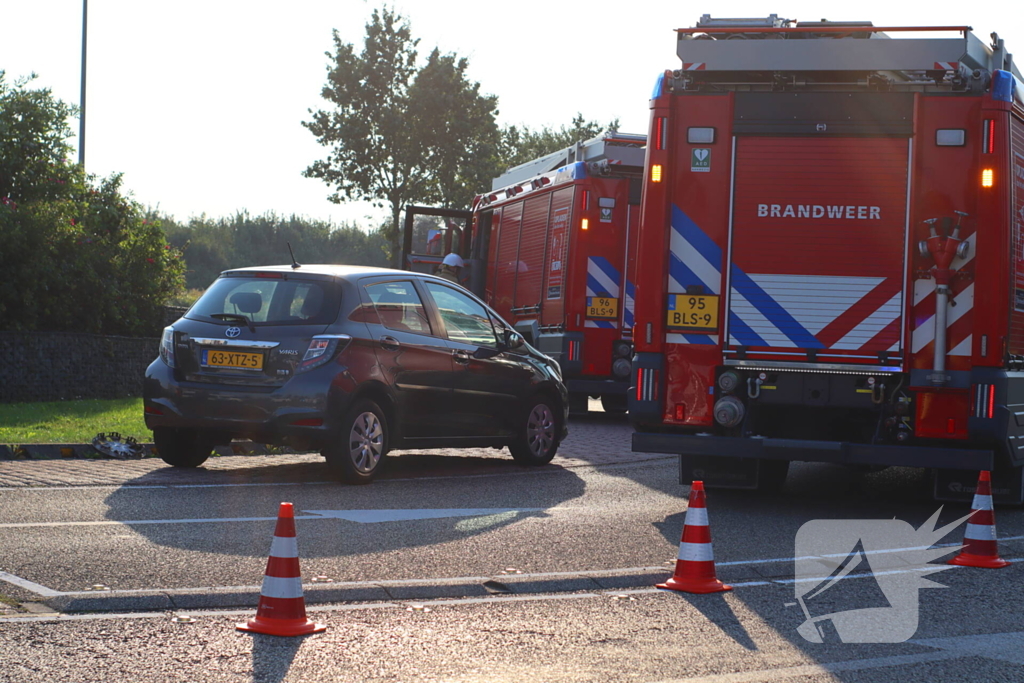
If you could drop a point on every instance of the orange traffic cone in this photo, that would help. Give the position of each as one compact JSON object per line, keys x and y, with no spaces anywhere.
{"x":695,"y":568}
{"x":282,"y":609}
{"x":980,"y":545}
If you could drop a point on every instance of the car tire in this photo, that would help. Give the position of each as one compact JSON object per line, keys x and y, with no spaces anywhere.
{"x":184,"y":448}
{"x":614,"y":404}
{"x":357,"y":454}
{"x":539,"y":433}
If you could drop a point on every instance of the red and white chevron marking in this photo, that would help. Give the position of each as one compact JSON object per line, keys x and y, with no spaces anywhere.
{"x":693,"y":66}
{"x":959,"y":317}
{"x":947,"y":66}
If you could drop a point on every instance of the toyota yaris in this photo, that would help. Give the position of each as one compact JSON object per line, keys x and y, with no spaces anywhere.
{"x":352,"y":362}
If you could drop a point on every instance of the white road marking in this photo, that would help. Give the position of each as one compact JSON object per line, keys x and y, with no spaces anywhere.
{"x":373,"y":516}
{"x":360,"y":516}
{"x":29,"y":585}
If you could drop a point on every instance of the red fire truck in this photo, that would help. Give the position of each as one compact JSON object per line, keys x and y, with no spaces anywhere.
{"x":818,"y":201}
{"x":552,"y":248}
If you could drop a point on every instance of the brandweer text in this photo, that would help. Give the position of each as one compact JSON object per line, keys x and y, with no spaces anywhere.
{"x":873,"y":213}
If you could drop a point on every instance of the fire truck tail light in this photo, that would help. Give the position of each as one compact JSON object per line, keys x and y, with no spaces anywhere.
{"x":646,"y":384}
{"x":700,"y":136}
{"x":656,"y":173}
{"x":680,"y":412}
{"x":584,"y":224}
{"x":984,"y":400}
{"x":951,"y":137}
{"x":988,"y":177}
{"x":659,"y":133}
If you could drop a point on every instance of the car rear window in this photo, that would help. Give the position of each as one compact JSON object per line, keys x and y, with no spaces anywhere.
{"x":270,"y":301}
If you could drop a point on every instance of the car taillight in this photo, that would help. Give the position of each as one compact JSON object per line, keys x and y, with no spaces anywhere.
{"x":167,"y":346}
{"x":322,"y":348}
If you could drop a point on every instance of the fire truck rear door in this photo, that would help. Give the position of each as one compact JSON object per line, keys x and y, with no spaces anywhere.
{"x":818,"y":245}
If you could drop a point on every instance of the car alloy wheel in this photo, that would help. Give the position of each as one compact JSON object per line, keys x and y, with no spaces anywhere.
{"x":355,"y":454}
{"x":540,"y":429}
{"x":538,"y":440}
{"x":366,"y":442}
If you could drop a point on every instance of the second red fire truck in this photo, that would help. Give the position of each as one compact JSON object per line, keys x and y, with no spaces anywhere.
{"x":552,"y":248}
{"x":831,"y":258}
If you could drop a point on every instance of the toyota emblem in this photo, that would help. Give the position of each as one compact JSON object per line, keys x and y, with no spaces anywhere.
{"x":233,"y":332}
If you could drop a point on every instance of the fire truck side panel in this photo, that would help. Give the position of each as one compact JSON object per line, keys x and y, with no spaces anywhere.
{"x":529,"y":265}
{"x":558,"y":238}
{"x":653,"y":240}
{"x":601,"y":256}
{"x":698,"y":226}
{"x":506,"y":257}
{"x":1016,"y":342}
{"x":938,"y":192}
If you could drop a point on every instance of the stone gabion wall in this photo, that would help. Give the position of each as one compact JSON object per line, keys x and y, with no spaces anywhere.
{"x":57,"y":366}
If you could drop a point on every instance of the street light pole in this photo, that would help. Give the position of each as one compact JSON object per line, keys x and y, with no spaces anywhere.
{"x":81,"y":117}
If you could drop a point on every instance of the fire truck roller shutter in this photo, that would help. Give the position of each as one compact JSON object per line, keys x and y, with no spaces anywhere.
{"x":819,"y":235}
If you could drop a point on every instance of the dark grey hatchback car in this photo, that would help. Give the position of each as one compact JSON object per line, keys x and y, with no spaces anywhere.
{"x":352,"y":362}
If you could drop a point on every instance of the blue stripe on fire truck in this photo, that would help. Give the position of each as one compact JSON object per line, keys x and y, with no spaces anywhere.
{"x":694,"y":258}
{"x":602,"y":279}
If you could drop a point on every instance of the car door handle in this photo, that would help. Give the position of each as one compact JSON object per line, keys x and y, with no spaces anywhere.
{"x":389,"y":343}
{"x":460,"y":356}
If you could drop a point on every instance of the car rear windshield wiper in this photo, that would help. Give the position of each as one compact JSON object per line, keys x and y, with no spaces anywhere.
{"x":237,"y":317}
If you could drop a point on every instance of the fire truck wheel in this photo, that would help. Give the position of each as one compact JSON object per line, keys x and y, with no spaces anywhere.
{"x":614,"y":404}
{"x":185,"y":448}
{"x":538,"y":440}
{"x":773,"y":475}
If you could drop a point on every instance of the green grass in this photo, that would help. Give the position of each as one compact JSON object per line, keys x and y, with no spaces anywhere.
{"x":71,"y":421}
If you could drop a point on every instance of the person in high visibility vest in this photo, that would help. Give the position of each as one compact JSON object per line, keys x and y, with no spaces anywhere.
{"x":450,"y":267}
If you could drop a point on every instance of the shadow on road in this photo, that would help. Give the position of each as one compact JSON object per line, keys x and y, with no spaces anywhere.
{"x":413,"y":482}
{"x":716,"y":610}
{"x":272,"y":656}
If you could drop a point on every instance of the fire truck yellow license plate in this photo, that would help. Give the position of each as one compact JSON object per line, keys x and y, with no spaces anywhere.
{"x":232,"y":359}
{"x":602,"y":307}
{"x":693,"y":312}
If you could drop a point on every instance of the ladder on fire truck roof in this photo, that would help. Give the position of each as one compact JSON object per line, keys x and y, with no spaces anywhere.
{"x":773,"y":44}
{"x":611,"y":146}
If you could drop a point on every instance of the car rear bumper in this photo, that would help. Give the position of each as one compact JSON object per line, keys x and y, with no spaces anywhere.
{"x":269,"y":414}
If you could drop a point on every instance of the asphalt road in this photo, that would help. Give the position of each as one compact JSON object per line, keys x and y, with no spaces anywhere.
{"x":488,"y":572}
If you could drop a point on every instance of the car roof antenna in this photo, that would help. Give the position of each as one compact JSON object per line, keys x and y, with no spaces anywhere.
{"x":295,"y":264}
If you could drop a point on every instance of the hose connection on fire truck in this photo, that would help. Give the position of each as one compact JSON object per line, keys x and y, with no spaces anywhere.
{"x":817,"y":200}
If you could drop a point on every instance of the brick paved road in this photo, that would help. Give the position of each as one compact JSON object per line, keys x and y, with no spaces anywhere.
{"x":596,"y":439}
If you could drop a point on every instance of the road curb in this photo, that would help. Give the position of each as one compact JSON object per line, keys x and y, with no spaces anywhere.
{"x":375,"y":591}
{"x":84,"y":451}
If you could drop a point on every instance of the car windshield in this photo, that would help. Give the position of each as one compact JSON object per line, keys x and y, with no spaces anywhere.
{"x":269,"y":301}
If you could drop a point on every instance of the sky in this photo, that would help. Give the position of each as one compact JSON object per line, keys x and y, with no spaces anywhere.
{"x":200,"y":103}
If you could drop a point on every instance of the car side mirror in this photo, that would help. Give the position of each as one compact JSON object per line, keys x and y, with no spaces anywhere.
{"x":512,"y":339}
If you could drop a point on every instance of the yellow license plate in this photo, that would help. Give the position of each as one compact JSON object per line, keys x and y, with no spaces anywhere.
{"x":602,"y":307}
{"x":693,"y":312}
{"x":232,"y":359}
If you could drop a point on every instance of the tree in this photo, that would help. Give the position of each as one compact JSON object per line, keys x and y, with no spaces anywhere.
{"x":77,"y":254}
{"x":212,"y":246}
{"x":459,"y":133}
{"x":520,"y":145}
{"x":398,"y":134}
